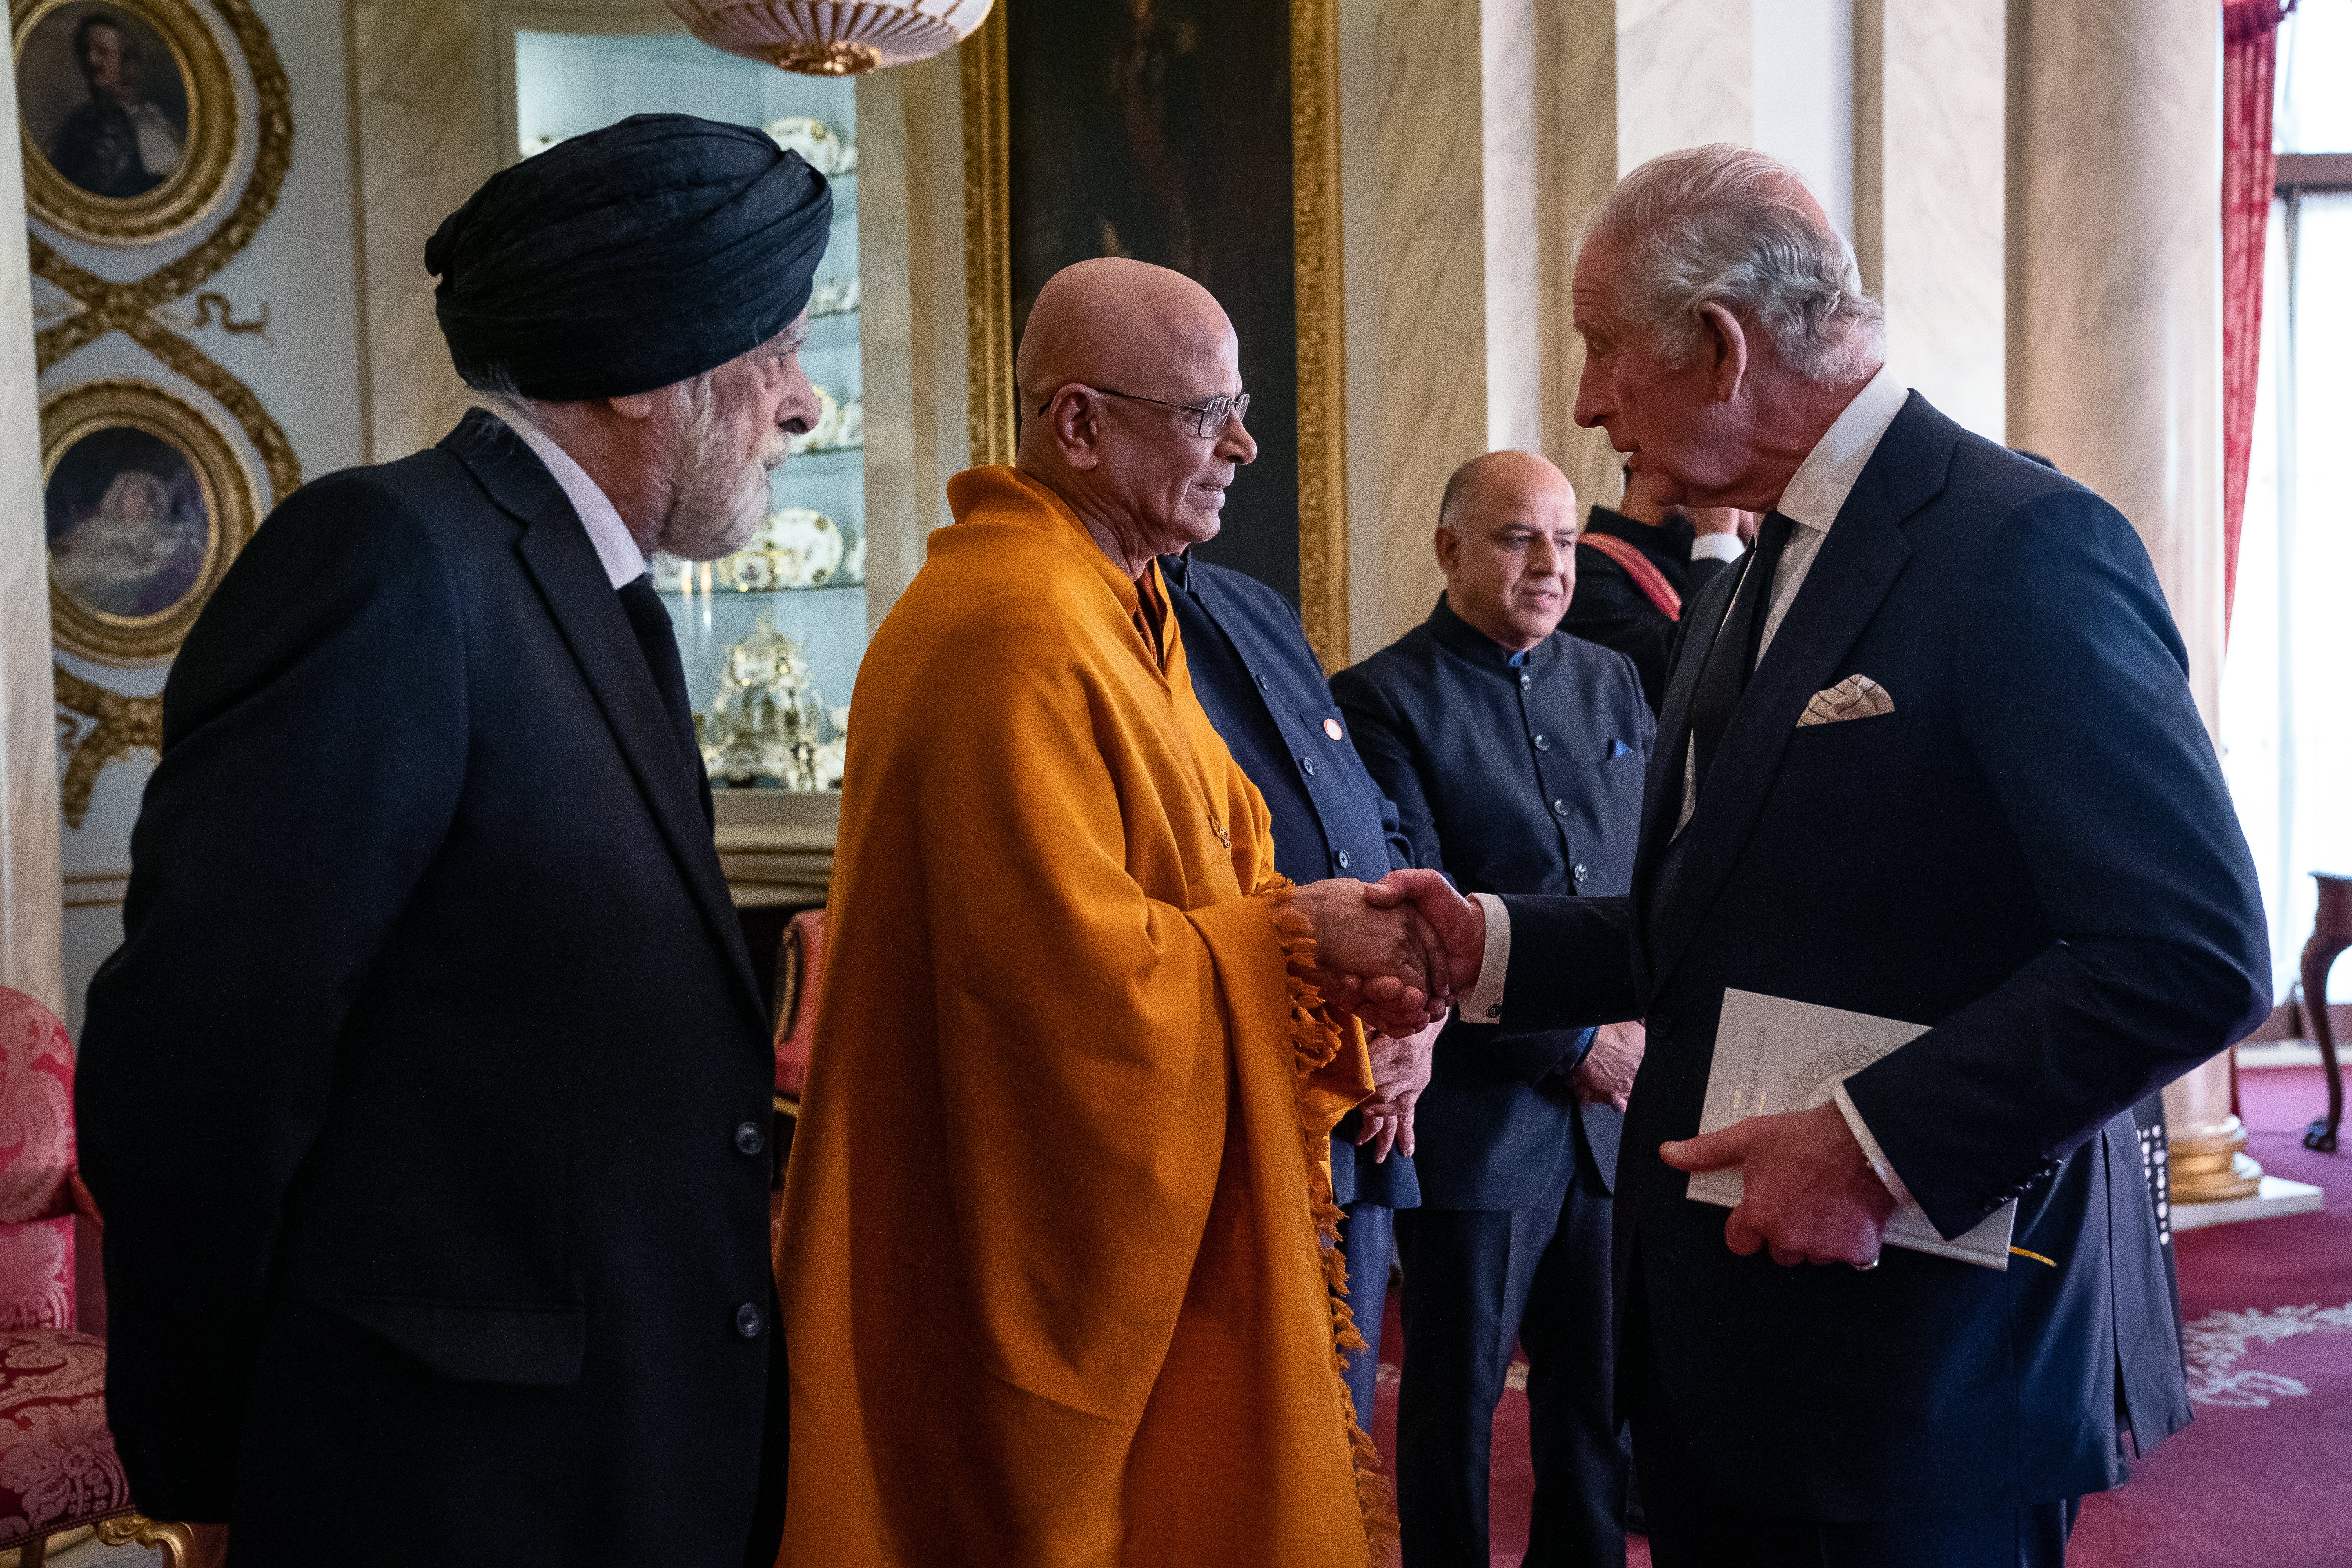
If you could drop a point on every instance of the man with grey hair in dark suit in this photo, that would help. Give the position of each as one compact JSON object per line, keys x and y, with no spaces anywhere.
{"x":1927,"y":754}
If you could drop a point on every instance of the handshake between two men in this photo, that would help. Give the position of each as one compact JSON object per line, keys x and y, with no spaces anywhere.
{"x":1399,"y":953}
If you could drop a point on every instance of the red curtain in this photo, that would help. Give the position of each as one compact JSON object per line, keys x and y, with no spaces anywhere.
{"x":2249,"y":170}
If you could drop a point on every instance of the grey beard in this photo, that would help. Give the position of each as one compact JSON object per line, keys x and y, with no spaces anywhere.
{"x":720,"y":498}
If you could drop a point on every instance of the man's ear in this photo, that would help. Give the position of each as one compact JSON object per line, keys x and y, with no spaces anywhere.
{"x":638,"y":406}
{"x":1074,"y":419}
{"x":1449,"y":550}
{"x":1723,"y":349}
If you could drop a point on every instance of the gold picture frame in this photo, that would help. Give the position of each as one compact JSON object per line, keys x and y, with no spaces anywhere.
{"x":145,"y":505}
{"x":146,"y":151}
{"x":989,"y":133}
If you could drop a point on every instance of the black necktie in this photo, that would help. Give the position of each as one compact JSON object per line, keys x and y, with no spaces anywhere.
{"x":657,"y":641}
{"x":1728,"y":662}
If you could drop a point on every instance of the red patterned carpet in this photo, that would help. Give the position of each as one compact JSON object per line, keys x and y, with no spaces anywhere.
{"x":2262,"y":1478}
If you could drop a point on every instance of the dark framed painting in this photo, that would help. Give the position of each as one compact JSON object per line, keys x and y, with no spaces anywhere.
{"x":128,"y":115}
{"x":145,"y":504}
{"x":1199,"y":135}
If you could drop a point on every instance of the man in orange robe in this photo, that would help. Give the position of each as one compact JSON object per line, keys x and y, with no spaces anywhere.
{"x":1054,"y":1259}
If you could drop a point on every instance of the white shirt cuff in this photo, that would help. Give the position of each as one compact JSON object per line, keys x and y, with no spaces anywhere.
{"x":1718,"y":547}
{"x":1484,"y":1003}
{"x":1870,"y":1149}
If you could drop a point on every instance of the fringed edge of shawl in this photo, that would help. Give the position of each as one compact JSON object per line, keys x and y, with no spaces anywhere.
{"x":1315,"y":1043}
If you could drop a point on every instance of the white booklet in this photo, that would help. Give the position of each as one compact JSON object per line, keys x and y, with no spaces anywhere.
{"x":1772,"y":1054}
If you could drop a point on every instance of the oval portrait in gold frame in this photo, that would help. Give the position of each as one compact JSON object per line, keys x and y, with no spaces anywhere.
{"x":144,"y":505}
{"x":128,"y":112}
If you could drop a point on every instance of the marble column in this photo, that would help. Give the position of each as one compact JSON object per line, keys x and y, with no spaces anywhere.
{"x":422,"y":99}
{"x":910,"y":243}
{"x":2115,"y":338}
{"x":32,"y":910}
{"x":1930,"y":102}
{"x":1432,"y":315}
{"x":2115,"y":323}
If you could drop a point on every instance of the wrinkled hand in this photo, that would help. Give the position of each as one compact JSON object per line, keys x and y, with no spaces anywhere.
{"x":1605,"y":1076}
{"x":1809,"y":1194}
{"x":1382,"y":963}
{"x":1401,"y":1070}
{"x":1457,"y":925}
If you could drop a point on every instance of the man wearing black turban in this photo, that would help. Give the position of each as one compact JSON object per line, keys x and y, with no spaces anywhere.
{"x":426,"y":1099}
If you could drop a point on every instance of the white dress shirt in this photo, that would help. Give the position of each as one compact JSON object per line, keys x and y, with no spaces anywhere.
{"x":1817,"y":492}
{"x":624,"y":563}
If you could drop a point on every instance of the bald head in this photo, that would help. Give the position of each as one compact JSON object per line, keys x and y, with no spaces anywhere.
{"x":1114,"y":354}
{"x":1507,"y":543}
{"x":1500,"y":479}
{"x":1115,"y":323}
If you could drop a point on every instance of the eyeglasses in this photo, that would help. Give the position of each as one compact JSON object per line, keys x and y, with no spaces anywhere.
{"x":1202,"y":420}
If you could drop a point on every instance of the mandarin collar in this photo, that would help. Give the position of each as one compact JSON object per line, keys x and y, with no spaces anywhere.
{"x":1458,"y":637}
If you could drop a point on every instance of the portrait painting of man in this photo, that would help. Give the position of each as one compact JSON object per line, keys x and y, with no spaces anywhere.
{"x":104,"y":99}
{"x":128,"y":531}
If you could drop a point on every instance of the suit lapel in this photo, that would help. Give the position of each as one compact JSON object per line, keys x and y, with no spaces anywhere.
{"x":556,"y":551}
{"x":1858,"y":562}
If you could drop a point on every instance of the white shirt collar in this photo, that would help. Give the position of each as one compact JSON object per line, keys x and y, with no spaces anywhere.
{"x":616,"y":546}
{"x":1818,"y":490}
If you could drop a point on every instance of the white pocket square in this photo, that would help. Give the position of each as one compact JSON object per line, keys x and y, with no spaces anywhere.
{"x":1855,"y":697}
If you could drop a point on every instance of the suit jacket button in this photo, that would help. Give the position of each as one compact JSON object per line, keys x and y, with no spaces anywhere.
{"x":1308,"y":763}
{"x":1580,"y":873}
{"x":1560,"y":809}
{"x":1543,"y":744}
{"x":1342,"y":857}
{"x":1526,"y":681}
{"x":1659,"y":1026}
{"x":1262,"y":684}
{"x":749,"y":1139}
{"x":747,"y":1320}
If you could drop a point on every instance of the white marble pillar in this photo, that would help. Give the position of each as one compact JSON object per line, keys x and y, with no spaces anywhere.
{"x":2116,"y":329}
{"x":1931,"y":103}
{"x":32,"y":908}
{"x":911,"y":246}
{"x":2114,"y":340}
{"x":1685,"y":75}
{"x":1432,"y":310}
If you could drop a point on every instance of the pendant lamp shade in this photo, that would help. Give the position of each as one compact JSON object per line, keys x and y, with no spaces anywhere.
{"x":832,"y":37}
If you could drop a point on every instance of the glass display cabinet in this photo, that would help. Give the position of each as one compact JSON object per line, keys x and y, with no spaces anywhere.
{"x":771,"y":637}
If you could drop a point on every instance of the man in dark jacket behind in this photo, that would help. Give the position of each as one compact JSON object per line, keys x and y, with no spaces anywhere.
{"x":1263,"y":687}
{"x":1515,"y":754}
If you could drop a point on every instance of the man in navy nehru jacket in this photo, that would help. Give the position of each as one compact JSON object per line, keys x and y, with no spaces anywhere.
{"x":1514,"y":754}
{"x":1263,"y":687}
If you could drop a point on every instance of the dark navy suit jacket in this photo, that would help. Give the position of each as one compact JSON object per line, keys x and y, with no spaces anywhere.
{"x":1262,"y":688}
{"x":1510,"y":779}
{"x":2035,"y":854}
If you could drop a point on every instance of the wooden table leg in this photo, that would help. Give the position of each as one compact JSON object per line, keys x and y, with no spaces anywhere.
{"x":2319,"y":954}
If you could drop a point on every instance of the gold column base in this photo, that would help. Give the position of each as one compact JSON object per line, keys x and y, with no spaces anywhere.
{"x":2209,"y":1169}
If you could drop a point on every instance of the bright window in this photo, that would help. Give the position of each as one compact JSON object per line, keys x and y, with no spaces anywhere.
{"x":2287,"y":688}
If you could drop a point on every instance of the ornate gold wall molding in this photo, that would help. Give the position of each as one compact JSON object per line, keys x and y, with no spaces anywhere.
{"x":1322,"y":327}
{"x":120,"y":725}
{"x":987,"y":242}
{"x":1315,"y":204}
{"x":208,"y":150}
{"x":128,"y":308}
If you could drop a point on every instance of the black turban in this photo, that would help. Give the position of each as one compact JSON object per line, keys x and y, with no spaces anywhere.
{"x":628,"y":259}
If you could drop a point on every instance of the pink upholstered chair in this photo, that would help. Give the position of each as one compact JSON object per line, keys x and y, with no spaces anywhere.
{"x":58,"y":1466}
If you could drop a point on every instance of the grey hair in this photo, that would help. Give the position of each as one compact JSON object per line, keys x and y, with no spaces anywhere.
{"x":1728,"y":225}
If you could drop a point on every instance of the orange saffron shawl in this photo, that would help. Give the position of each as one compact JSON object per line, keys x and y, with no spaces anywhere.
{"x":1054,"y":1260}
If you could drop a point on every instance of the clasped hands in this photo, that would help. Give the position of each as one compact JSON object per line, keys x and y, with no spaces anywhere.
{"x":1395,"y":952}
{"x":1398,"y":952}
